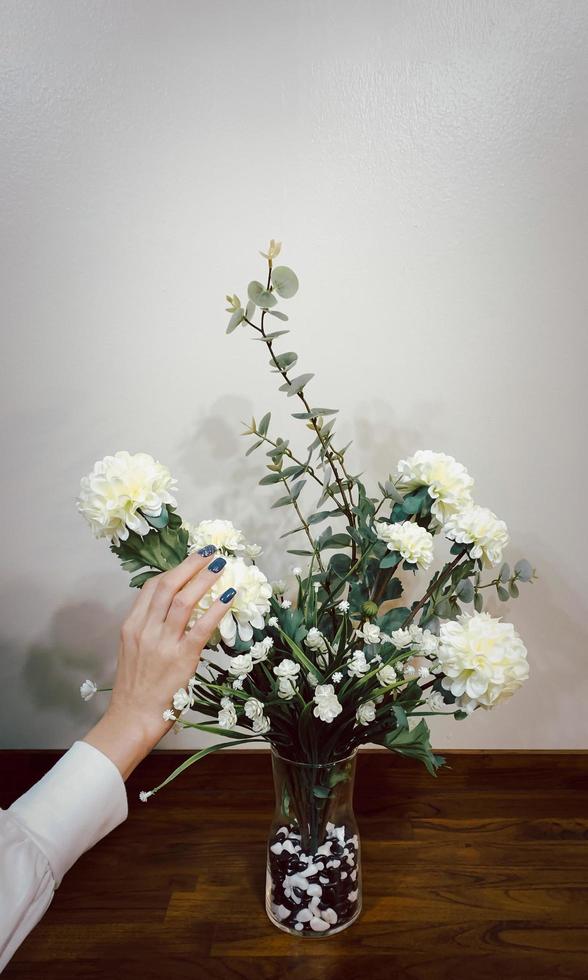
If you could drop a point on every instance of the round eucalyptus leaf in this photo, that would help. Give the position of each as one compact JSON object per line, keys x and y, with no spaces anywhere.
{"x":524,"y":570}
{"x":260,"y":296}
{"x":502,"y":593}
{"x":284,"y":281}
{"x":504,"y":574}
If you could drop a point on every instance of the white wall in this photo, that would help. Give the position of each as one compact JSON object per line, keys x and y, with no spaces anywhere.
{"x":424,"y":164}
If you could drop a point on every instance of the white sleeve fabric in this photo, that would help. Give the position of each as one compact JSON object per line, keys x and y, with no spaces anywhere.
{"x":80,"y":800}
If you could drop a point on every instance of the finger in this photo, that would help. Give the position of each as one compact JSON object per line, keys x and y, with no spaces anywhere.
{"x":204,"y":627}
{"x":138,"y":613}
{"x":171,"y":582}
{"x":182,"y":604}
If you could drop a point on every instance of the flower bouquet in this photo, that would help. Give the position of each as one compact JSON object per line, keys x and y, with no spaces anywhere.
{"x":332,"y":659}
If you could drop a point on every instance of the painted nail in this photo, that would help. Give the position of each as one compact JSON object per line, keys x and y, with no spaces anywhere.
{"x":228,"y":595}
{"x":208,"y":549}
{"x":217,"y":565}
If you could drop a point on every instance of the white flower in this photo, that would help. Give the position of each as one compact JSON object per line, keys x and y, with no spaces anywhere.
{"x":241,"y":664}
{"x":144,"y":795}
{"x":315,"y":640}
{"x":484,"y":659}
{"x":386,"y":675}
{"x":87,"y":690}
{"x":254,"y":710}
{"x":429,"y":644}
{"x":410,"y":637}
{"x":423,"y":671}
{"x":414,"y":543}
{"x":297,"y":571}
{"x":357,"y":665}
{"x":370,"y":633}
{"x":227,"y":716}
{"x":337,"y":677}
{"x":285,"y":603}
{"x":237,"y":684}
{"x":449,"y":483}
{"x":259,"y":651}
{"x":168,"y":715}
{"x":436,"y":702}
{"x":366,"y":713}
{"x":120,"y":490}
{"x":409,"y":670}
{"x":316,"y":586}
{"x":223,"y":534}
{"x":249,"y":606}
{"x":272,"y":621}
{"x":326,"y":702}
{"x":182,"y":700}
{"x":482,"y":529}
{"x":252,"y":551}
{"x":287,"y":673}
{"x":278,"y":587}
{"x":312,"y":679}
{"x":343,"y":606}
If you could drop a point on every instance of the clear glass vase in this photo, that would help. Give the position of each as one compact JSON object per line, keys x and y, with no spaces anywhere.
{"x":313,"y":880}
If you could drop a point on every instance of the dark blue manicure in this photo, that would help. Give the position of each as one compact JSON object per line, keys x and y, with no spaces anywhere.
{"x":209,"y":549}
{"x":217,"y":565}
{"x":228,"y":595}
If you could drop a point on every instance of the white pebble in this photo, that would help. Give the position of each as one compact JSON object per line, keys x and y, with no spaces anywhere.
{"x":350,"y":860}
{"x":280,"y":912}
{"x":283,"y":830}
{"x":325,"y":848}
{"x":352,"y":896}
{"x":323,"y":881}
{"x":295,"y":881}
{"x":340,"y":835}
{"x":320,"y":866}
{"x":343,"y":875}
{"x":314,"y":890}
{"x":309,"y":871}
{"x":353,"y":840}
{"x":330,"y":916}
{"x":299,"y":927}
{"x":334,"y":864}
{"x":276,"y":848}
{"x":288,"y":846}
{"x":305,"y":915}
{"x":353,"y":875}
{"x":314,"y":904}
{"x":319,"y":925}
{"x":330,"y":827}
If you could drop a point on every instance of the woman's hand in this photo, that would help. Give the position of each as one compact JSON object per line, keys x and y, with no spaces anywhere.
{"x":157,"y":657}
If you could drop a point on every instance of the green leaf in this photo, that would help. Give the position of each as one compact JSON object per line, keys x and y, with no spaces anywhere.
{"x":269,"y":479}
{"x":249,"y":310}
{"x":478,"y":602}
{"x":524,"y":570}
{"x":414,"y":743}
{"x":314,"y":413}
{"x":504,"y":573}
{"x":502,"y":593}
{"x":514,"y":590}
{"x":279,"y":315}
{"x":284,"y":281}
{"x":296,"y":385}
{"x":271,"y":336}
{"x":139,"y":580}
{"x":390,"y":559}
{"x":255,"y":446}
{"x":320,"y":515}
{"x":465,"y":590}
{"x":264,"y":424}
{"x":235,"y":320}
{"x":460,"y":715}
{"x":260,"y":296}
{"x":321,"y":792}
{"x":284,"y":361}
{"x":158,"y":522}
{"x":400,"y":716}
{"x":281,"y":502}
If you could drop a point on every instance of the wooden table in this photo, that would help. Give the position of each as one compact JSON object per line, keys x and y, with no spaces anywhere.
{"x":480,"y":873}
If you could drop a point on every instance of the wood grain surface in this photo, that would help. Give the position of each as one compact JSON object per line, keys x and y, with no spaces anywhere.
{"x":480,"y":873}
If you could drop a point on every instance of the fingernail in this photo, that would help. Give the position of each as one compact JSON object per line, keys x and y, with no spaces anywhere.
{"x":209,"y":549}
{"x":217,"y":564}
{"x":228,"y":595}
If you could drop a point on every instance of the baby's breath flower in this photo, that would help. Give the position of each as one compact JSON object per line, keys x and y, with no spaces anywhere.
{"x":343,"y":606}
{"x":168,"y":715}
{"x":87,"y":690}
{"x":144,"y":795}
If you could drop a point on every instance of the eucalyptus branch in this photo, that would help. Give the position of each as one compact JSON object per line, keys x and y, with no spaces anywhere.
{"x":434,"y":587}
{"x":304,"y":522}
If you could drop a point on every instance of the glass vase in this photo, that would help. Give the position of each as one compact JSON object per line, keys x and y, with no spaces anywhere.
{"x":313,"y":879}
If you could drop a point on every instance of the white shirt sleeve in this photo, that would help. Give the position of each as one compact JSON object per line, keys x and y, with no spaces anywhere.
{"x":44,"y":832}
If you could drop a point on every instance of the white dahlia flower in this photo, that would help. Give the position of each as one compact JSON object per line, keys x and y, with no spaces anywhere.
{"x":414,"y":543}
{"x":327,"y":705}
{"x":120,"y":490}
{"x":366,"y":713}
{"x":479,"y":527}
{"x":223,"y":534}
{"x":483,"y":659}
{"x":249,"y":606}
{"x":449,"y":483}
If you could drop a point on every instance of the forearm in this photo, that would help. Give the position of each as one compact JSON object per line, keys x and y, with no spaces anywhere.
{"x":125,"y":739}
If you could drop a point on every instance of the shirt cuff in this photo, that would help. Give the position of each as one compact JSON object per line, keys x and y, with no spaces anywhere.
{"x":80,"y":800}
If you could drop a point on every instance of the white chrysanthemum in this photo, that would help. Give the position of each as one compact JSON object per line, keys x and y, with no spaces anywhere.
{"x":227,"y":716}
{"x":120,"y":490}
{"x":87,"y":690}
{"x":223,"y":534}
{"x":370,"y":632}
{"x":386,"y":675}
{"x":366,"y":713}
{"x":357,"y":665}
{"x":287,"y":673}
{"x":414,"y":543}
{"x":327,"y":705}
{"x":449,"y":483}
{"x":483,"y":659}
{"x":480,"y":528}
{"x":315,"y":640}
{"x":249,"y":606}
{"x":241,"y":664}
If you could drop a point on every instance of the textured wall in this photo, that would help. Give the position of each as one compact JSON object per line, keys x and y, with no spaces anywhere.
{"x":424,"y":164}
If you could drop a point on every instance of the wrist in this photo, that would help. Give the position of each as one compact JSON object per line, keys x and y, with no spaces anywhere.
{"x":124,"y":738}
